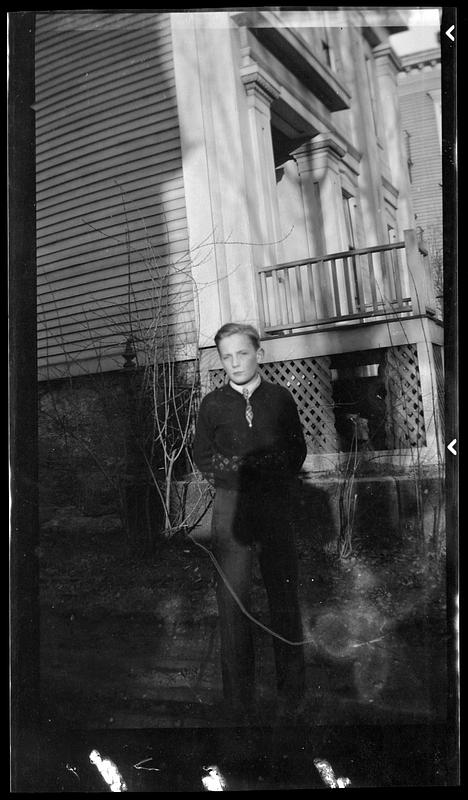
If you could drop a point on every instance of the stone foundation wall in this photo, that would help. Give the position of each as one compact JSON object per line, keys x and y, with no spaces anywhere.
{"x":83,"y":427}
{"x":89,"y":462}
{"x":388,"y":508}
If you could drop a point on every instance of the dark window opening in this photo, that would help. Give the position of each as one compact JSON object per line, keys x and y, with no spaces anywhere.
{"x":359,"y":392}
{"x":284,"y":146}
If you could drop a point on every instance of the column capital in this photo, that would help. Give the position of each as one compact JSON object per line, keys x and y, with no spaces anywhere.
{"x":325,"y":148}
{"x":258,"y":83}
{"x":386,"y":60}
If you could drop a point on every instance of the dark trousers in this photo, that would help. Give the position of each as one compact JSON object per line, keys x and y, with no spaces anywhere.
{"x":245,"y":524}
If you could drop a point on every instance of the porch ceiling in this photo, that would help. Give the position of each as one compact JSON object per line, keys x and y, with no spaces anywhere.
{"x":296,"y":55}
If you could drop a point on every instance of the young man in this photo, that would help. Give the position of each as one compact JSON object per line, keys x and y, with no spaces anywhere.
{"x":249,"y":444}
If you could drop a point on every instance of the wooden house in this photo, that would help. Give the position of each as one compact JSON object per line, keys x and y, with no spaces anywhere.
{"x":195,"y":168}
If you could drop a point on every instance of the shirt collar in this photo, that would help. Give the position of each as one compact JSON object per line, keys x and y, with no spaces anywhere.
{"x":251,"y":385}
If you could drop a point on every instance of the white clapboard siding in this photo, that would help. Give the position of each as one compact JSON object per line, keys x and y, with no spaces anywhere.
{"x":148,"y":286}
{"x":141,"y":320}
{"x":90,"y":87}
{"x":79,"y":115}
{"x":109,"y":160}
{"x":87,"y":264}
{"x":112,"y":212}
{"x":144,"y":307}
{"x":164,"y":119}
{"x":85,"y":235}
{"x":110,"y":193}
{"x":100,"y":329}
{"x":106,"y":347}
{"x":118,"y":175}
{"x":92,"y":26}
{"x":141,"y":302}
{"x":149,"y":130}
{"x":97,"y":286}
{"x":102,"y":198}
{"x":66,"y":60}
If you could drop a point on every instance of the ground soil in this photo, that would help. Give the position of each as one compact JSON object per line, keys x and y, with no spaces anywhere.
{"x":131,"y":641}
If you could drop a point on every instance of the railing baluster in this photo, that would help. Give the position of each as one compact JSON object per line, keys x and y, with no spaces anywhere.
{"x":382,"y":286}
{"x":276,"y":295}
{"x":387,"y":281}
{"x":361,"y":301}
{"x":349,"y":295}
{"x":261,"y":303}
{"x":300,"y":272}
{"x":396,"y":278}
{"x":287,"y":296}
{"x":370,"y":261}
{"x":310,"y":283}
{"x":264,"y":299}
{"x":335,"y":287}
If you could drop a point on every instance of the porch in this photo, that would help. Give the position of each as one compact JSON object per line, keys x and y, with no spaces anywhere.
{"x":372,"y":283}
{"x":355,"y":337}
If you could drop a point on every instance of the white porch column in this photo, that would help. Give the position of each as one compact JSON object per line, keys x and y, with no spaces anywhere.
{"x":261,"y":90}
{"x":388,"y":66}
{"x":215,"y":171}
{"x":319,"y":163}
{"x":319,"y":168}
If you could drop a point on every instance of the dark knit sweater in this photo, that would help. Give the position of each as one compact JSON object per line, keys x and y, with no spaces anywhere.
{"x":230,"y":454}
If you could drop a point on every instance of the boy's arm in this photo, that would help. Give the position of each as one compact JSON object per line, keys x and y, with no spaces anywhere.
{"x":203,"y":449}
{"x":213,"y":465}
{"x":295,"y":441}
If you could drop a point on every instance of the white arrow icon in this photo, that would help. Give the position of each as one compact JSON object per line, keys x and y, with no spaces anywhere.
{"x":451,"y":447}
{"x":448,"y":32}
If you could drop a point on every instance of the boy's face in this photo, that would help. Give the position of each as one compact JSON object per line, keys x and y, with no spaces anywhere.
{"x":239,"y":357}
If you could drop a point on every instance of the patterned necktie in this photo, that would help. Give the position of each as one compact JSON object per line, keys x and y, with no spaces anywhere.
{"x":248,"y":408}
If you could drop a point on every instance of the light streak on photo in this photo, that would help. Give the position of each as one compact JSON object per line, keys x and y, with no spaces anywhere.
{"x":327,"y":775}
{"x":108,"y":771}
{"x":214,"y":781}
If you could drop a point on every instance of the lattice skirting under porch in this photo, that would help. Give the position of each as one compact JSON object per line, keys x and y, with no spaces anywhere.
{"x":404,"y":423}
{"x":440,"y":382}
{"x":309,"y":381}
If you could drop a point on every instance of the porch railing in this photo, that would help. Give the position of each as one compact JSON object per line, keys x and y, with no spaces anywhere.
{"x":369,"y":282}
